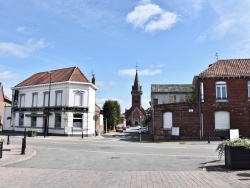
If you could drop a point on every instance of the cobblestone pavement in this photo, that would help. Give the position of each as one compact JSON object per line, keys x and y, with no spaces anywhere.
{"x":214,"y":174}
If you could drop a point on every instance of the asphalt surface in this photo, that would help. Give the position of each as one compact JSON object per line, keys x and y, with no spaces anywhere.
{"x":214,"y":174}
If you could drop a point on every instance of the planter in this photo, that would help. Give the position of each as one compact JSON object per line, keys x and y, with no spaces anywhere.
{"x":32,"y":133}
{"x":237,"y":157}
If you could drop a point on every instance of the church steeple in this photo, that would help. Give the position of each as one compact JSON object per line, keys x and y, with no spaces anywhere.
{"x":136,"y":91}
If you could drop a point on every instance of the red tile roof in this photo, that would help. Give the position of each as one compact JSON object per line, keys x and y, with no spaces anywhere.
{"x":59,"y":75}
{"x":230,"y":67}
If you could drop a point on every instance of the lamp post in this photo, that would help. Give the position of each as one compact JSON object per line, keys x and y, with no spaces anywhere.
{"x":48,"y":110}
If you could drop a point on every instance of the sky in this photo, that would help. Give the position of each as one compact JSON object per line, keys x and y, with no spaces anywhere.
{"x":169,"y":42}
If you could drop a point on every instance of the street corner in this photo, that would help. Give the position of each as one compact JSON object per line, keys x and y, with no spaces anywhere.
{"x":12,"y":154}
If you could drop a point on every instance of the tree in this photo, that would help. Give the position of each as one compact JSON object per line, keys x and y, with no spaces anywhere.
{"x":111,"y":112}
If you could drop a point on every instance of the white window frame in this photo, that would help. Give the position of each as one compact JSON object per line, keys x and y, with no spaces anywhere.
{"x":220,"y":86}
{"x":222,"y":120}
{"x":45,"y":98}
{"x":58,"y":100}
{"x":167,"y":120}
{"x":22,"y":100}
{"x":201,"y":92}
{"x":79,"y":94}
{"x":34,"y":99}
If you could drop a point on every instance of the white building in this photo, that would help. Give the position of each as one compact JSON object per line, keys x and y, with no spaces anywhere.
{"x":57,"y":102}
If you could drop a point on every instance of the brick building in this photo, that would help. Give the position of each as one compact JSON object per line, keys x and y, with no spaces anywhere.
{"x":222,"y":102}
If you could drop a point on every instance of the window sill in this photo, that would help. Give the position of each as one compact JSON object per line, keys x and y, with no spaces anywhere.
{"x":166,"y":129}
{"x":221,"y":130}
{"x":221,"y":100}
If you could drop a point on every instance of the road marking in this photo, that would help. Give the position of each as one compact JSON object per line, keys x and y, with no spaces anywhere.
{"x":168,"y":147}
{"x":62,"y":143}
{"x":105,"y":145}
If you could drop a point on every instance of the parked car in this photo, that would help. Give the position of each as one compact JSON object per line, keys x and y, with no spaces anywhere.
{"x":124,"y":128}
{"x":142,"y":130}
{"x":118,"y":129}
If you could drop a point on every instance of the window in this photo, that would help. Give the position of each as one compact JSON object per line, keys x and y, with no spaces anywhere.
{"x":201,"y":92}
{"x":248,"y":88}
{"x":21,"y":117}
{"x":58,"y":120}
{"x":167,"y":120}
{"x":34,"y":99}
{"x":45,"y":98}
{"x":155,"y":101}
{"x":33,"y":120}
{"x":222,"y":120}
{"x":221,"y":91}
{"x":77,"y":120}
{"x":22,"y":100}
{"x":136,"y":101}
{"x":59,"y":98}
{"x":78,"y":98}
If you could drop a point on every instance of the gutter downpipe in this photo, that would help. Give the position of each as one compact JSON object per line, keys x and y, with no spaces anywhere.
{"x":199,"y":107}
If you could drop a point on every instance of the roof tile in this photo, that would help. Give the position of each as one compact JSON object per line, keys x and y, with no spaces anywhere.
{"x":59,"y":75}
{"x":230,"y":67}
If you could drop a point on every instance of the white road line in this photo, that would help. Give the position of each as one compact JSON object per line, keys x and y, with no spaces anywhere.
{"x":105,"y":145}
{"x":62,"y":143}
{"x":166,"y":147}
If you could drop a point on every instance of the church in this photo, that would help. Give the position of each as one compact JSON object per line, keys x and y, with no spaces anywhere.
{"x":136,"y":115}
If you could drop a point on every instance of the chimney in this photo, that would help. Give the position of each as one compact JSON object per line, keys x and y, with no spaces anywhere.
{"x":93,"y":79}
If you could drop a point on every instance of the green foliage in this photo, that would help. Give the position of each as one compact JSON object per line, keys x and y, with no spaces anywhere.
{"x":111,"y":112}
{"x":243,"y":142}
{"x":192,"y":96}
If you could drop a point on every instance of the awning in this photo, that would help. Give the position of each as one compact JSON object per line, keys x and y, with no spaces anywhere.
{"x":35,"y":115}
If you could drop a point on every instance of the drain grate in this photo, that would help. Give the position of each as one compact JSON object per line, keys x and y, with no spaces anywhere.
{"x":115,"y":158}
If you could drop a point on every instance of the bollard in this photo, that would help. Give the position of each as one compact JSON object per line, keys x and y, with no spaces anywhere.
{"x":23,"y":147}
{"x":1,"y":150}
{"x":24,"y":133}
{"x":140,"y":137}
{"x":208,"y":141}
{"x":8,"y":140}
{"x":82,"y":134}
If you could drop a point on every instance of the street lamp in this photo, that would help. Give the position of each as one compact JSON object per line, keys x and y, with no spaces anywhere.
{"x":48,"y":110}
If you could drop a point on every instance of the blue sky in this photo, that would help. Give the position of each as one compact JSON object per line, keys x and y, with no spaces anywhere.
{"x":170,"y":41}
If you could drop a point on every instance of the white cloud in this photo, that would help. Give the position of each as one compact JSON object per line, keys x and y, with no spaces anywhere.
{"x":201,"y":38}
{"x":145,"y":72}
{"x":21,"y":30}
{"x":151,"y":17}
{"x":102,"y":85}
{"x":161,"y":65}
{"x":6,"y":75}
{"x":9,"y":49}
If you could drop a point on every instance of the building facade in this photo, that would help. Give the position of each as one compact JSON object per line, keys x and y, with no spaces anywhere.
{"x":57,"y":102}
{"x":222,"y":102}
{"x":4,"y":101}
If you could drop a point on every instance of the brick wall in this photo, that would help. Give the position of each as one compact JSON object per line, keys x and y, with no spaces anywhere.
{"x":188,"y":122}
{"x":237,"y":105}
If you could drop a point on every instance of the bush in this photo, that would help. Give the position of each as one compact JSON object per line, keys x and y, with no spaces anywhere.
{"x":240,"y":142}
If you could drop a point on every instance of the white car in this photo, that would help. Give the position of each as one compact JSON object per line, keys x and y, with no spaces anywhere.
{"x":142,"y":130}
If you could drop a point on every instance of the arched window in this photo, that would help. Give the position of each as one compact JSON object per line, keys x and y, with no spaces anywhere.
{"x":167,"y":120}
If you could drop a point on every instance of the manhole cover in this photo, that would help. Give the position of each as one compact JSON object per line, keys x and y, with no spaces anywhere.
{"x":115,"y":158}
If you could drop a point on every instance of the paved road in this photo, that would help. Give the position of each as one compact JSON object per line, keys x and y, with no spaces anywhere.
{"x":119,"y":161}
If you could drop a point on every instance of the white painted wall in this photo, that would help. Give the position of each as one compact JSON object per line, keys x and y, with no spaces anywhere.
{"x":68,"y":89}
